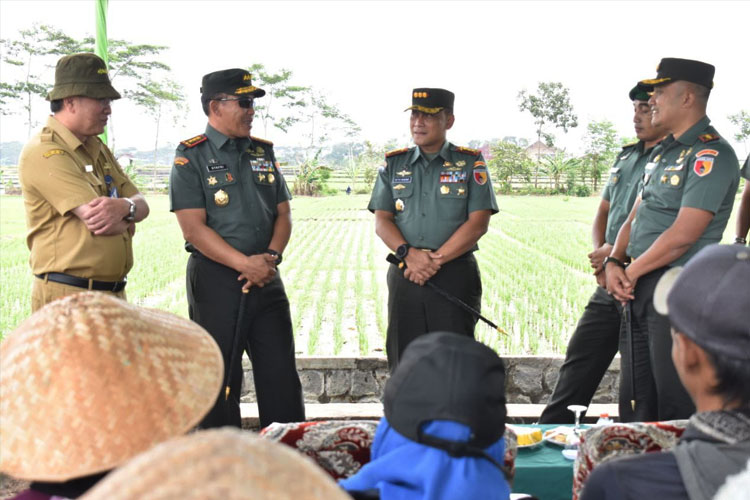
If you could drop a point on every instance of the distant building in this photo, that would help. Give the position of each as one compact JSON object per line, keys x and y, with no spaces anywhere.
{"x":539,"y":149}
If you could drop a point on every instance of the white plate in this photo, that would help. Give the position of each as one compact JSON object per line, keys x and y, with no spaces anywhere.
{"x":570,"y":454}
{"x":557,"y":430}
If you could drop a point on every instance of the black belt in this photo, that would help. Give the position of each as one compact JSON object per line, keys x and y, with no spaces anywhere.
{"x":67,"y":279}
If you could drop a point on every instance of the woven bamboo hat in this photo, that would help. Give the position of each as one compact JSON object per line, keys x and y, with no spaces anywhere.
{"x":89,"y":381}
{"x":224,"y":463}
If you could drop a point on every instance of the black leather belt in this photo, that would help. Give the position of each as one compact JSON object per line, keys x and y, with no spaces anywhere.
{"x":67,"y":279}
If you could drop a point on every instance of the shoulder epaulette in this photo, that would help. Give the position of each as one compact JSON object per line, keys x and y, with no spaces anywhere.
{"x":709,"y":137}
{"x":396,"y":152}
{"x":630,"y":144}
{"x":194,"y":141}
{"x":46,"y":135}
{"x":468,"y":151}
{"x":263,"y":141}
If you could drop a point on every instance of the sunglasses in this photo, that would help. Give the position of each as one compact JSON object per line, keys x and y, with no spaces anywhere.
{"x":242,"y":102}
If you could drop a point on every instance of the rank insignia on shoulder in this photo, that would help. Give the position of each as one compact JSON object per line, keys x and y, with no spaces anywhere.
{"x":263,"y":141}
{"x":221,"y":198}
{"x":181,"y":160}
{"x":708,"y":137}
{"x":468,"y":151}
{"x":194,"y":141}
{"x":396,"y":152}
{"x":211,"y":180}
{"x":629,"y":145}
{"x":53,"y":152}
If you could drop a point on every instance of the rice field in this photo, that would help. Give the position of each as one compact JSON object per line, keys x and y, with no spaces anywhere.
{"x":535,"y":274}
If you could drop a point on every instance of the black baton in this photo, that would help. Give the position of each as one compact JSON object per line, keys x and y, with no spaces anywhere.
{"x":235,"y":342}
{"x":628,"y":312}
{"x":448,"y":296}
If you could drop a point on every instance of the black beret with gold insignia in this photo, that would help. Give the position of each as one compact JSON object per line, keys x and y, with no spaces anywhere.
{"x":431,"y":101}
{"x":671,"y":69}
{"x":230,"y":81}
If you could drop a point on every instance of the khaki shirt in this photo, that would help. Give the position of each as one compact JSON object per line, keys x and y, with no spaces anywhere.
{"x":698,"y":170}
{"x":236,"y":181}
{"x":59,"y":173}
{"x":431,"y":200}
{"x":623,"y":186}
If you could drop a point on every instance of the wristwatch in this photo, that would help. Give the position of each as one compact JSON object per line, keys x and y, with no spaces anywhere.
{"x":607,"y":260}
{"x":402,"y":251}
{"x":131,"y":211}
{"x":275,"y":254}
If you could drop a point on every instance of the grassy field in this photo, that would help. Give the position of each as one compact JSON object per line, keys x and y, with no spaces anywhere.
{"x":533,"y":262}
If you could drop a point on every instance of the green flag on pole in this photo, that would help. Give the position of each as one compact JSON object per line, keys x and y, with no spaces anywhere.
{"x":101,"y":41}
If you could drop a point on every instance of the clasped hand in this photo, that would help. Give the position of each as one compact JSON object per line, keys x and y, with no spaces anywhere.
{"x":258,"y":270}
{"x":421,"y":266}
{"x":619,"y":284}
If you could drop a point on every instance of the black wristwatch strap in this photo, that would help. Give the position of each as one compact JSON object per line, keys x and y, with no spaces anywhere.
{"x":275,"y":254}
{"x":607,"y":260}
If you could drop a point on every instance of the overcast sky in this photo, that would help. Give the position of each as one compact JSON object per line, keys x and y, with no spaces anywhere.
{"x":367,"y":56}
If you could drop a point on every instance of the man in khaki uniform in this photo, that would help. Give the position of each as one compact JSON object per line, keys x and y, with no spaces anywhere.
{"x":81,"y":208}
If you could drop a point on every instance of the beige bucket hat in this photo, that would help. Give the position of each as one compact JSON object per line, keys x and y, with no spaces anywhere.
{"x":226,"y":464}
{"x":89,"y":381}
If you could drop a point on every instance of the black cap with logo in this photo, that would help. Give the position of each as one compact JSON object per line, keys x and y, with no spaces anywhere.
{"x":671,"y":69}
{"x":431,"y":101}
{"x":237,"y":82}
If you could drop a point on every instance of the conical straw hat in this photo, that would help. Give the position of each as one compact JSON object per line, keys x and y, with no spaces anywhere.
{"x":89,"y":381}
{"x":224,"y":464}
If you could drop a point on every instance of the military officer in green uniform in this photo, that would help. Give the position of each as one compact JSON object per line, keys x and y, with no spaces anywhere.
{"x":232,"y":205}
{"x":689,"y":186}
{"x":595,"y":340}
{"x":432,"y":203}
{"x":743,"y":211}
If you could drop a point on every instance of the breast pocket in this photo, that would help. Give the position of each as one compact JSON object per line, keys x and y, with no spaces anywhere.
{"x":264,"y":173}
{"x":452,"y":201}
{"x":221,"y":190}
{"x":96,"y":183}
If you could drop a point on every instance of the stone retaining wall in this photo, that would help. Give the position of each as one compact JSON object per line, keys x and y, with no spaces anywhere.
{"x":529,"y":379}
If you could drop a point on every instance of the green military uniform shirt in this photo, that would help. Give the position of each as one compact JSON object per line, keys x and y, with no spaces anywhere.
{"x":236,"y":181}
{"x":431,"y":199}
{"x":623,"y":185}
{"x":698,"y":170}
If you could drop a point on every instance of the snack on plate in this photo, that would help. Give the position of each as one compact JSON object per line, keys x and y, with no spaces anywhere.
{"x":527,"y":436}
{"x":558,"y":435}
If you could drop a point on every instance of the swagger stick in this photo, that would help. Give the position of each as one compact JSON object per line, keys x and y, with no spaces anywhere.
{"x":235,"y":342}
{"x":448,"y":296}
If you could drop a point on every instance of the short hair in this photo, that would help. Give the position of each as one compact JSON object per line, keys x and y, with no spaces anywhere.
{"x":56,"y":105}
{"x":205,"y":99}
{"x":733,"y":377}
{"x":701,"y":91}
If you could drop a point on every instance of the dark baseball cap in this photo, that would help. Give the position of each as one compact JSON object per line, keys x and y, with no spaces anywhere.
{"x":446,"y":376}
{"x":234,"y":81}
{"x":83,"y":74}
{"x":671,"y":69}
{"x":709,"y":299}
{"x":431,"y":101}
{"x":641,"y":92}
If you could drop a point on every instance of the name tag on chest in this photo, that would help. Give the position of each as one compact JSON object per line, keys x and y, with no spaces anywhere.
{"x":216,"y":168}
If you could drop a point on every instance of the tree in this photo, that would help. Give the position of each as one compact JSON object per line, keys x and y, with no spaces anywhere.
{"x":32,"y":54}
{"x":550,"y":106}
{"x":602,"y":145}
{"x":558,"y":165}
{"x":509,"y":160}
{"x":280,"y":106}
{"x":321,"y":119}
{"x":742,"y":120}
{"x":160,"y":99}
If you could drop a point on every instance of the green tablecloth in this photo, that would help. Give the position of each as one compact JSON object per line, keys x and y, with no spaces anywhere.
{"x":542,"y":471}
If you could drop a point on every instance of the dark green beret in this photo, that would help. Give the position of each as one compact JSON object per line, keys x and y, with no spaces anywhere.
{"x":641,"y":92}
